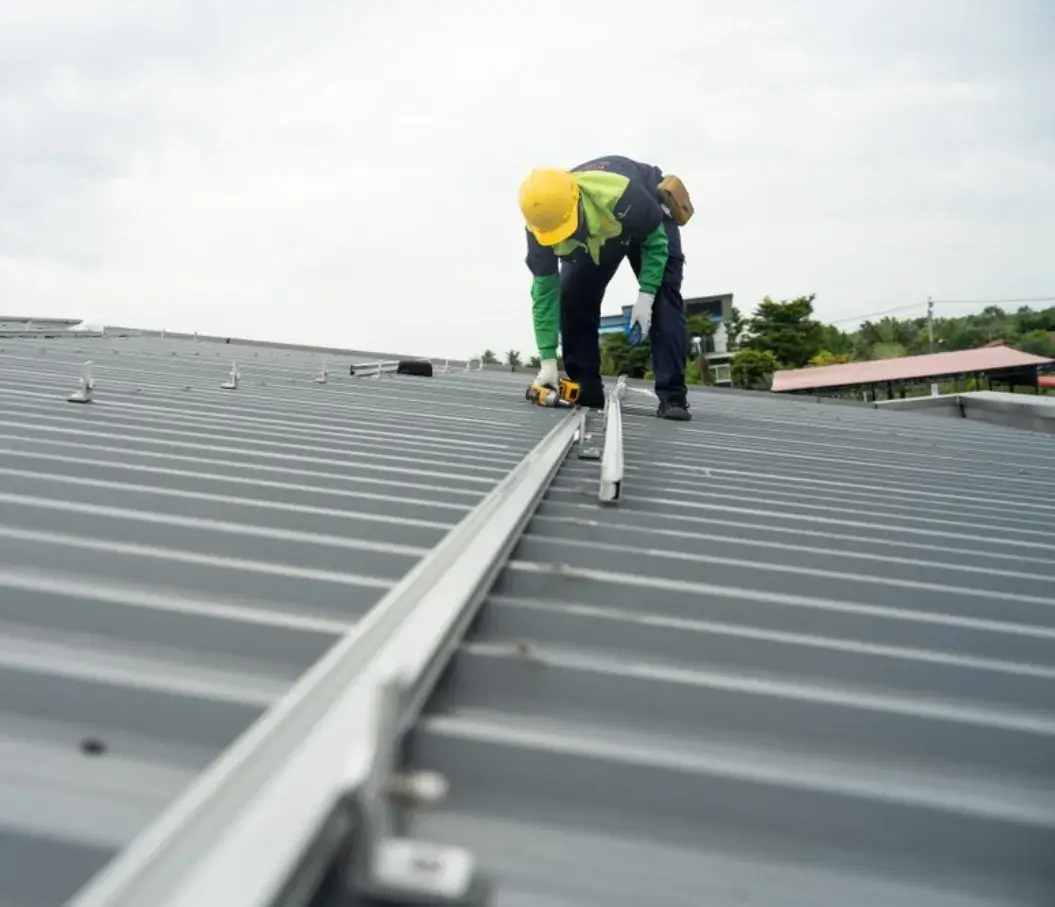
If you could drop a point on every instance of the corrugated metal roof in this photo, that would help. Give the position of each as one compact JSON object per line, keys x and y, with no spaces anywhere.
{"x":905,"y":368}
{"x":174,"y":555}
{"x":809,"y":659}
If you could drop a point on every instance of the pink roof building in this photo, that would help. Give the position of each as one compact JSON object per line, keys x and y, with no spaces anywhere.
{"x":991,"y":360}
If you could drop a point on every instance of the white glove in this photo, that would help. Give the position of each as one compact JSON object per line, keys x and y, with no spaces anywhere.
{"x":640,"y":319}
{"x":547,"y":375}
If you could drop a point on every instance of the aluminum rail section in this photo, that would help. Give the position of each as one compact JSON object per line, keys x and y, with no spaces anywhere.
{"x":375,"y":369}
{"x":279,"y":804}
{"x":612,"y":458}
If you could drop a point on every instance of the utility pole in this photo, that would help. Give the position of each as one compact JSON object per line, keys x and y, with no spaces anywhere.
{"x":930,"y":321}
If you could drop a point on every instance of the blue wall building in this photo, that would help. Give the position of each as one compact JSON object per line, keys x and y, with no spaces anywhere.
{"x":714,"y":347}
{"x":717,"y":308}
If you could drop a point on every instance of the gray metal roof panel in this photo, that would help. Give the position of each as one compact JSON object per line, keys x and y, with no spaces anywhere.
{"x":808,"y":659}
{"x":173,"y":556}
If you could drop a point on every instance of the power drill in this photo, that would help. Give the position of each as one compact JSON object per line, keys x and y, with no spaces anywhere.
{"x":545,"y":395}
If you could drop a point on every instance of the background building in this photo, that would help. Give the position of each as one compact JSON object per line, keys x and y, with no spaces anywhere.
{"x":715,"y":346}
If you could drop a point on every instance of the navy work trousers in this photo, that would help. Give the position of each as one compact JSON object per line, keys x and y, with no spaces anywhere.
{"x":583,"y":285}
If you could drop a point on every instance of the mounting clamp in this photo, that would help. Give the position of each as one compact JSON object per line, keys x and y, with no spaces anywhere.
{"x":231,"y":384}
{"x":86,"y":394}
{"x":587,"y":449}
{"x":389,"y":869}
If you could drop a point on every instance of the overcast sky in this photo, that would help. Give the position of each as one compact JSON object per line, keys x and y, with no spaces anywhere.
{"x":312,"y":172}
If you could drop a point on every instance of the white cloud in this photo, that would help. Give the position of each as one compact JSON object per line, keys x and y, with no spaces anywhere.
{"x":316,"y":173}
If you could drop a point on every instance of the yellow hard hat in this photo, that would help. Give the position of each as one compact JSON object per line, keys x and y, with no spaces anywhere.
{"x":549,"y":200}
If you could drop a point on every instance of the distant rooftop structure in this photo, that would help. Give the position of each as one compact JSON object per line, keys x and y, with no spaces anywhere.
{"x":17,"y":325}
{"x":26,"y":319}
{"x":1022,"y":411}
{"x":994,"y":361}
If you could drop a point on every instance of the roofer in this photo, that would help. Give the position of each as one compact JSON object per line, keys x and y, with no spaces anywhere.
{"x":588,"y":219}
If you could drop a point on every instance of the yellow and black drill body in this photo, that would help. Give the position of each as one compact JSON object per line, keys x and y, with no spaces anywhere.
{"x":567,"y":394}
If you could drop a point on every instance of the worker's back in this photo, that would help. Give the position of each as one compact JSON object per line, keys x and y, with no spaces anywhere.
{"x":624,"y":166}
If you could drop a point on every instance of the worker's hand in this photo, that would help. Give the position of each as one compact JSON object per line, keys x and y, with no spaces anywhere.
{"x":640,"y":319}
{"x":547,"y":375}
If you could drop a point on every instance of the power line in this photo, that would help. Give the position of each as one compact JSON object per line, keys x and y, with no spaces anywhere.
{"x":993,"y":301}
{"x":902,"y":308}
{"x":923,"y":305}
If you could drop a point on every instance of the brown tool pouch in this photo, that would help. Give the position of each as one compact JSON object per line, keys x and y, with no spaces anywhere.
{"x":675,"y":196}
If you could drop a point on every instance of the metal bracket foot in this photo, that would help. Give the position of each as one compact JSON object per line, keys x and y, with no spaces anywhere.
{"x":391,"y":869}
{"x":587,"y":449}
{"x":87,"y":392}
{"x":231,"y":384}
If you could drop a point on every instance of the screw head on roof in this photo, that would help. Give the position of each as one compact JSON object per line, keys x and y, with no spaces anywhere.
{"x":427,"y":863}
{"x":93,"y":746}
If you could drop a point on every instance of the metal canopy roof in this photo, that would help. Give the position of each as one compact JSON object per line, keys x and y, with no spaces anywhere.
{"x":905,"y":368}
{"x":808,"y":658}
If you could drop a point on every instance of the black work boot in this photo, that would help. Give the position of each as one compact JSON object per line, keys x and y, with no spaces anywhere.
{"x":592,"y":398}
{"x":675,"y":409}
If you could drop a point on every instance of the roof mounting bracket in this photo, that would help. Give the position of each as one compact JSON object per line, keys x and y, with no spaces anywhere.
{"x":87,"y":392}
{"x":584,"y":440}
{"x":611,"y":489}
{"x":393,"y":870}
{"x":231,"y":384}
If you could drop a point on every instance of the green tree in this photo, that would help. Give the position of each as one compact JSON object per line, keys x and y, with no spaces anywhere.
{"x":753,"y":368}
{"x":835,"y":341}
{"x":734,"y":328}
{"x":700,"y":326}
{"x":697,"y":326}
{"x":535,"y":362}
{"x":826,"y":358}
{"x":513,"y":358}
{"x":489,"y":358}
{"x":1039,"y":343}
{"x":786,"y":329}
{"x":952,"y":334}
{"x":1027,"y":319}
{"x":887,"y":338}
{"x":618,"y":357}
{"x":694,"y":375}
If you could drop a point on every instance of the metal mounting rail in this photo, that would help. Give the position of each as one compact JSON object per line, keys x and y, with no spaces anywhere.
{"x":310,"y":785}
{"x":376,"y":369}
{"x":612,"y":460}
